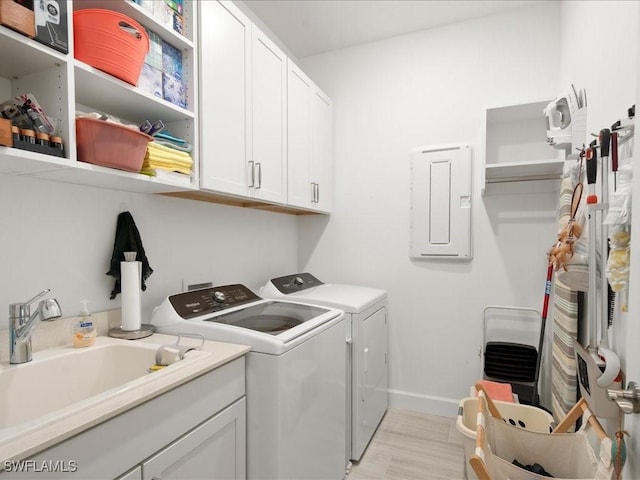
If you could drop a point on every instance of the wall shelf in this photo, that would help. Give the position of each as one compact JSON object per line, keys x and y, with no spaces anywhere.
{"x":14,"y":161}
{"x":62,"y":85}
{"x":96,"y":176}
{"x":515,"y":145}
{"x":109,"y":94}
{"x":518,"y":171}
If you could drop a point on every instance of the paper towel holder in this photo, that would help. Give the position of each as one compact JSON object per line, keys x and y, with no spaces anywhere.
{"x":145,"y":330}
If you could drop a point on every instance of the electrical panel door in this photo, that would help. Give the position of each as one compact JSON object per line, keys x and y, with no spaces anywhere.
{"x":441,"y":203}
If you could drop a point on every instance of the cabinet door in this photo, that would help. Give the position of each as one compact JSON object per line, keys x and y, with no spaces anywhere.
{"x":321,"y":149}
{"x":299,"y":88}
{"x":225,"y":97}
{"x":215,"y":449}
{"x":269,"y":74}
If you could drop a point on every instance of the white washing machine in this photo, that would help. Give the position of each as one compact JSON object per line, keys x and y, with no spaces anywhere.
{"x":367,"y":361}
{"x":295,"y":375}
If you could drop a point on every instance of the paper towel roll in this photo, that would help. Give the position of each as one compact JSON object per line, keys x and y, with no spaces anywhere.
{"x":130,"y":288}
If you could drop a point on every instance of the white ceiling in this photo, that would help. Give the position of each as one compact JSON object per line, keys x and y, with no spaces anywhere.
{"x":309,"y":27}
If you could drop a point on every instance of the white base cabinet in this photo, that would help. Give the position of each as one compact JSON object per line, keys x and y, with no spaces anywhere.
{"x":212,"y":450}
{"x":195,"y":431}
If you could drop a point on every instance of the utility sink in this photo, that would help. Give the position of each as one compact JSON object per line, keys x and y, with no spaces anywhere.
{"x":63,"y":377}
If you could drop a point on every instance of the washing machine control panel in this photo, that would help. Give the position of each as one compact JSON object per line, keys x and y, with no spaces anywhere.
{"x":295,"y":283}
{"x":211,"y":300}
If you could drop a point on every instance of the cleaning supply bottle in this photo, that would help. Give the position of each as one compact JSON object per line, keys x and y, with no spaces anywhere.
{"x":83,"y":331}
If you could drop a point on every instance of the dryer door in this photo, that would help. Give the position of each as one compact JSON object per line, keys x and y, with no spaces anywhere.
{"x":370,"y":399}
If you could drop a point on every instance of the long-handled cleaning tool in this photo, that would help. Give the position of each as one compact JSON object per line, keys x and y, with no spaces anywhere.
{"x":543,"y":319}
{"x":607,"y":359}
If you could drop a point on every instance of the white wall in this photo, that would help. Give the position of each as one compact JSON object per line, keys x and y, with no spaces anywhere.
{"x":60,"y":236}
{"x":389,"y":98}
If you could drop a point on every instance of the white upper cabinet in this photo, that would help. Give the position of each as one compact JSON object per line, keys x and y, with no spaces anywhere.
{"x":225,"y":101}
{"x":309,"y":143}
{"x":321,"y":150}
{"x":269,"y":120}
{"x":243,"y":82}
{"x":299,"y":137}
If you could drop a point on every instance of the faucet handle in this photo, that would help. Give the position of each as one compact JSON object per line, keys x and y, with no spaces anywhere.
{"x":21,"y":309}
{"x":40,"y":295}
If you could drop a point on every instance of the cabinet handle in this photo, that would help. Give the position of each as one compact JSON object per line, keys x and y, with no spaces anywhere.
{"x":317,"y":193}
{"x":252,"y":174}
{"x":313,"y":192}
{"x":259,"y":167}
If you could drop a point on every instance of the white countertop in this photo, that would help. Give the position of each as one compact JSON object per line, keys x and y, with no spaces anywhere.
{"x":24,"y":440}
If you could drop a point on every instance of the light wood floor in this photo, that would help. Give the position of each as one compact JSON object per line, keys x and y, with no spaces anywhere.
{"x":412,"y":446}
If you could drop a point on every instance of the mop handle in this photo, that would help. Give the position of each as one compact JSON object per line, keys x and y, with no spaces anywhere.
{"x":547,"y":292}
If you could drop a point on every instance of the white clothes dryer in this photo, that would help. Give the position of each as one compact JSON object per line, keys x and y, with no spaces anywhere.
{"x":295,"y":375}
{"x":367,"y":358}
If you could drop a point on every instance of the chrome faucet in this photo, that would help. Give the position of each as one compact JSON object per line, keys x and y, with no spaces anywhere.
{"x":22,"y":323}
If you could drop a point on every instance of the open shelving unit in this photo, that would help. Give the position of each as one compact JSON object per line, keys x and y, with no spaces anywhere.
{"x":62,"y":85}
{"x":515,"y":145}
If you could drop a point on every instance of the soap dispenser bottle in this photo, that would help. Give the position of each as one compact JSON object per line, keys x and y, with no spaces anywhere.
{"x":83,"y":331}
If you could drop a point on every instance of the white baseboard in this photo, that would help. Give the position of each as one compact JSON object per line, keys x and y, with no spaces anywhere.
{"x":441,"y":406}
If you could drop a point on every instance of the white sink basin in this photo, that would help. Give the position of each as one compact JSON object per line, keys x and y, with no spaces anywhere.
{"x":59,"y":378}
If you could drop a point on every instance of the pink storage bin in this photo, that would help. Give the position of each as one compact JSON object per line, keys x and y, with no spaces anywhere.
{"x":110,"y":145}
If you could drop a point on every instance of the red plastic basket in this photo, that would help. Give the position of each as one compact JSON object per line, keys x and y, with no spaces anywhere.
{"x":111,"y":42}
{"x":110,"y":145}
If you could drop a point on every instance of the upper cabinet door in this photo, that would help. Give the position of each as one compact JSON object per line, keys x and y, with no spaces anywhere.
{"x":269,"y":81}
{"x":225,"y":97}
{"x":321,"y":150}
{"x":300,"y":187}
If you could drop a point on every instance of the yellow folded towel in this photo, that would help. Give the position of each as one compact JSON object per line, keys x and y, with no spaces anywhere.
{"x":166,"y":165}
{"x":156,"y":147}
{"x":187,"y":163}
{"x":181,"y":158}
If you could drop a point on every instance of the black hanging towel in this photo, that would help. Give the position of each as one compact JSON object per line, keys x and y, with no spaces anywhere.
{"x":127,"y":240}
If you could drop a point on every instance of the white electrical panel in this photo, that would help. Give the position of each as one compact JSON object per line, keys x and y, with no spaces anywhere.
{"x":441,"y":203}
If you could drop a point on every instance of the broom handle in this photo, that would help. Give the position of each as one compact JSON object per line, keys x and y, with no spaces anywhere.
{"x":543,"y":323}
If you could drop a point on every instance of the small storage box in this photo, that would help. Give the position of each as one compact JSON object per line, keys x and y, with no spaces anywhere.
{"x":18,"y":17}
{"x":110,"y":145}
{"x":524,"y":416}
{"x":111,"y":42}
